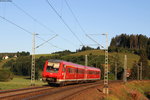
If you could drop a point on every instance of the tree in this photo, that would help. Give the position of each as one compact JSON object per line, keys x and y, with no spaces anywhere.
{"x":116,"y":66}
{"x":148,"y":48}
{"x":145,"y":67}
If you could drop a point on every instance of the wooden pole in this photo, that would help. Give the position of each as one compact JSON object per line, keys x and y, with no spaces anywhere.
{"x":125,"y":69}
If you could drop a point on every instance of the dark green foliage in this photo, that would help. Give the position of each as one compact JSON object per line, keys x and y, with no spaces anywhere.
{"x":40,"y":62}
{"x":62,"y":53}
{"x":9,"y":63}
{"x":133,"y":75}
{"x":22,"y":66}
{"x":111,"y":76}
{"x":145,"y":66}
{"x":115,"y":62}
{"x":98,"y":48}
{"x":84,"y":48}
{"x":5,"y":75}
{"x":23,"y":53}
{"x":130,"y":43}
{"x":148,"y":49}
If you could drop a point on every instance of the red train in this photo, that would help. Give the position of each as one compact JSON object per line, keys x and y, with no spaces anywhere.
{"x":62,"y":72}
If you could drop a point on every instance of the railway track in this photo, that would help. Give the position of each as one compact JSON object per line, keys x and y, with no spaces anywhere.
{"x":62,"y":92}
{"x":48,"y":93}
{"x":66,"y":92}
{"x":18,"y":94}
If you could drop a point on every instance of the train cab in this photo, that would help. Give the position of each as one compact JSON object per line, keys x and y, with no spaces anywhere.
{"x":51,"y":71}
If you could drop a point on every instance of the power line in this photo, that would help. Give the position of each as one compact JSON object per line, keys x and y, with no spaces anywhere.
{"x":16,"y":25}
{"x":27,"y":31}
{"x":46,"y":41}
{"x":94,"y":40}
{"x":76,"y":19}
{"x":51,"y":44}
{"x":70,"y":42}
{"x":34,"y":19}
{"x":64,"y":21}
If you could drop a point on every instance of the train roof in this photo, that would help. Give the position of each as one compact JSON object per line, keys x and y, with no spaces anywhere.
{"x":70,"y":63}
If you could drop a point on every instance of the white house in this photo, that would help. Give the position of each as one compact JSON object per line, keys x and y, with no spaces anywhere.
{"x":15,"y":56}
{"x":5,"y":57}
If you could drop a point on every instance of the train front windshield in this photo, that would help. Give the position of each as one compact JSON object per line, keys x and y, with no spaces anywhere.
{"x":52,"y":67}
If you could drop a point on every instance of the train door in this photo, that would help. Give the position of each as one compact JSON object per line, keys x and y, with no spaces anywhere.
{"x":64,"y":72}
{"x":68,"y":72}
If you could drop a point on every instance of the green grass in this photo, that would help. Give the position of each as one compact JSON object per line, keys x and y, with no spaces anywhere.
{"x":39,"y":55}
{"x":93,"y":52}
{"x":19,"y":82}
{"x":131,"y":58}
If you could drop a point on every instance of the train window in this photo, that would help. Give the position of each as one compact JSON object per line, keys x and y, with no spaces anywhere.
{"x":71,"y":70}
{"x":80,"y":71}
{"x":68,"y":70}
{"x":52,"y":67}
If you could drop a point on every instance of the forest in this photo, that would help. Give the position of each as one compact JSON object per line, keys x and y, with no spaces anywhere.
{"x":130,"y":43}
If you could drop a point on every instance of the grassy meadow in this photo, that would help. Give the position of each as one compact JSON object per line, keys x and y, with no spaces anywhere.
{"x":19,"y":82}
{"x":134,"y":90}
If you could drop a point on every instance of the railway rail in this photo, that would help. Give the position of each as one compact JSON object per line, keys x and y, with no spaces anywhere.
{"x":63,"y":92}
{"x":47,"y":92}
{"x":21,"y":93}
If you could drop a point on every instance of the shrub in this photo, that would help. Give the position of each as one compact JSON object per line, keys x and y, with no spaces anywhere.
{"x":5,"y":75}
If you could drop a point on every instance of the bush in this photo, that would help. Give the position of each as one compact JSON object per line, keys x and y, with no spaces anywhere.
{"x":111,"y":76}
{"x":5,"y":75}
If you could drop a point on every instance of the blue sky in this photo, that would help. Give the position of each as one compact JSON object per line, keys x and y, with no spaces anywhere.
{"x":95,"y":16}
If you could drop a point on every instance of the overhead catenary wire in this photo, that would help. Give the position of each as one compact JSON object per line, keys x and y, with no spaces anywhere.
{"x":34,"y":19}
{"x":76,"y":19}
{"x":16,"y":25}
{"x":27,"y":31}
{"x":64,"y":22}
{"x":46,"y":41}
{"x":51,"y":44}
{"x":40,"y":23}
{"x":94,"y":40}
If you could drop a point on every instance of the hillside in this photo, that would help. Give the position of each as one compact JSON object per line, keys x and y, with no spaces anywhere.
{"x":45,"y":55}
{"x":131,"y":58}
